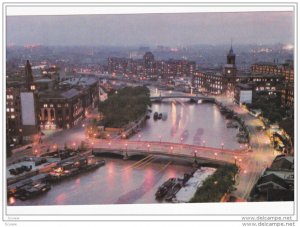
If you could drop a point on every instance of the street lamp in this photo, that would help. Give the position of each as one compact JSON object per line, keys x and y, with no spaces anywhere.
{"x":195,"y":153}
{"x":148,"y":147}
{"x":126,"y":146}
{"x":235,"y":158}
{"x":222,"y":145}
{"x":216,"y":155}
{"x":160,"y":139}
{"x":203,"y":143}
{"x":171,"y":149}
{"x":139,"y":137}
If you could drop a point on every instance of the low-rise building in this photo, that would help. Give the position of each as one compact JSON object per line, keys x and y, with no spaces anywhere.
{"x":277,"y":181}
{"x":243,"y":94}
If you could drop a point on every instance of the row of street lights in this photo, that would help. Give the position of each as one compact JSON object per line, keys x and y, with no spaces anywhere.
{"x":181,"y":140}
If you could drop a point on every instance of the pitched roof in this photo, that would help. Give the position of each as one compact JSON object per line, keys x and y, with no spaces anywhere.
{"x":272,"y":178}
{"x":285,"y":162}
{"x":70,"y":93}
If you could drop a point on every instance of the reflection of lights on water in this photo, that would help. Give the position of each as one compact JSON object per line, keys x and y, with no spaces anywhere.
{"x":60,"y":198}
{"x":11,"y":200}
{"x":77,"y":182}
{"x":173,"y":111}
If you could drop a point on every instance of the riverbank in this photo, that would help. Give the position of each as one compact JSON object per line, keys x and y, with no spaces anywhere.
{"x":216,"y":185}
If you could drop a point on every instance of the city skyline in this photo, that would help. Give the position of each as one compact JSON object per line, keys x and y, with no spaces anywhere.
{"x":153,"y":29}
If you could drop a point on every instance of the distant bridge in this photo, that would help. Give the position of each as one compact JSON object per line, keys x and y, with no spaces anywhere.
{"x":183,"y":96}
{"x":128,"y":148}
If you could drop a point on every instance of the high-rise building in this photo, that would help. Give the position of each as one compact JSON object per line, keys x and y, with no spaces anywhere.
{"x":149,"y":63}
{"x":28,"y":77}
{"x":14,"y":133}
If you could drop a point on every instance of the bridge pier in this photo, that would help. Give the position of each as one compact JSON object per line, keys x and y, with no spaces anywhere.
{"x":125,"y":155}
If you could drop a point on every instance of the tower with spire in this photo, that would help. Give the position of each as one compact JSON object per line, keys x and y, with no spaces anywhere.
{"x":231,"y":56}
{"x":230,"y":67}
{"x":28,"y":76}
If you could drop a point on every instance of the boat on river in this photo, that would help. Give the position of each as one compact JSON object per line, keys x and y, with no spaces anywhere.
{"x":164,"y":188}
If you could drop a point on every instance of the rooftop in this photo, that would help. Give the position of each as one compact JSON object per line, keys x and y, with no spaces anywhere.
{"x":272,"y":178}
{"x":80,"y":81}
{"x":266,"y":63}
{"x":59,"y":94}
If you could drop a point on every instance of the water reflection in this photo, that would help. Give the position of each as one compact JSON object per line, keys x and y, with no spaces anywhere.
{"x":198,"y":124}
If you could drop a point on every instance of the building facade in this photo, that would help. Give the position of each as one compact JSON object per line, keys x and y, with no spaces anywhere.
{"x":67,"y":105}
{"x":14,"y":133}
{"x":148,"y":67}
{"x":218,"y":82}
{"x":267,"y":77}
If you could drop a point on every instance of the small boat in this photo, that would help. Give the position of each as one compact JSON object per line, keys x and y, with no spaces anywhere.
{"x":160,"y":116}
{"x":31,"y":191}
{"x":155,"y":116}
{"x":172,"y":191}
{"x":164,"y":188}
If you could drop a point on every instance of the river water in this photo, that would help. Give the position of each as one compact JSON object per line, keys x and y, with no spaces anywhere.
{"x":136,"y":181}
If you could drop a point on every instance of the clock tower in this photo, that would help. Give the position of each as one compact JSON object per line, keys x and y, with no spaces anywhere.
{"x":230,"y":67}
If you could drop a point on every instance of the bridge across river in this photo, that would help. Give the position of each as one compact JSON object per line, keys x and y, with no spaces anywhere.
{"x":127,"y":148}
{"x":184,"y":96}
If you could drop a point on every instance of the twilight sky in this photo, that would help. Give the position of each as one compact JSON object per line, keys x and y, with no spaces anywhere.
{"x":153,"y":29}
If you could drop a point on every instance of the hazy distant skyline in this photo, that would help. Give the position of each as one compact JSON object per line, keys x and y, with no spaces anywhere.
{"x":181,"y":29}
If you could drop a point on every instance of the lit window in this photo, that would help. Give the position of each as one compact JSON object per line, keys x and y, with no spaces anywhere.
{"x":45,"y":105}
{"x":32,"y":87}
{"x":51,"y":105}
{"x":7,"y":109}
{"x":12,"y":116}
{"x":12,"y":110}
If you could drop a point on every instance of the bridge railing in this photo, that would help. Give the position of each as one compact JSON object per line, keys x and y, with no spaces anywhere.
{"x":163,"y":146}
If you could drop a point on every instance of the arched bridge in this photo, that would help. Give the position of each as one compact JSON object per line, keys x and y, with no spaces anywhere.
{"x":184,"y":96}
{"x":127,"y":148}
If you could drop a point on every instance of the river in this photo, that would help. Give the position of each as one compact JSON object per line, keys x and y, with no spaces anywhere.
{"x":136,"y":181}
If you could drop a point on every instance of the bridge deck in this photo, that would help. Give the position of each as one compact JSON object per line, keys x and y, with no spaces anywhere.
{"x":171,"y":149}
